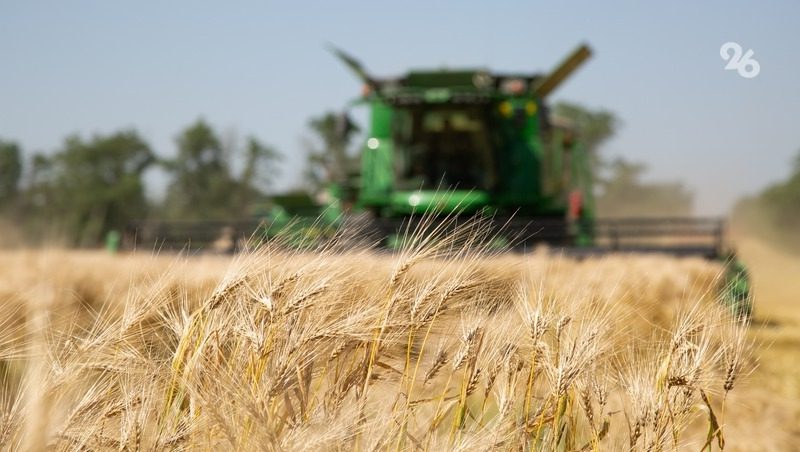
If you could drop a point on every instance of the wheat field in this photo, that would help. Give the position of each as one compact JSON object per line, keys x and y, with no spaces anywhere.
{"x":443,"y":346}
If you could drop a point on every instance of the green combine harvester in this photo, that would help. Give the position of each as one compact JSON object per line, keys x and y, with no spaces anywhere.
{"x":473,"y":142}
{"x":461,"y":144}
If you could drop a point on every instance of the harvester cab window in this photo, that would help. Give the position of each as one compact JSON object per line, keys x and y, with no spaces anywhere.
{"x":443,"y":148}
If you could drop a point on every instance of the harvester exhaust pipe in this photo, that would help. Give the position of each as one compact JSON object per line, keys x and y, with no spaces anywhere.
{"x":562,"y":71}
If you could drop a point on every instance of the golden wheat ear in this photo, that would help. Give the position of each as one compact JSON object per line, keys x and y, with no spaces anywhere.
{"x":441,"y":344}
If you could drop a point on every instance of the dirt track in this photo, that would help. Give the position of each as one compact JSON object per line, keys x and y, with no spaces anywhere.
{"x":772,"y":392}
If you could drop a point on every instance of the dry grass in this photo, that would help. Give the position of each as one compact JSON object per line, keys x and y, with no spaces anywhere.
{"x":439,"y":347}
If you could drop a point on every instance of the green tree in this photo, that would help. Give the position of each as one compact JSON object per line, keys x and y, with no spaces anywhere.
{"x":91,"y":186}
{"x":259,"y":172}
{"x":620,"y":190}
{"x":594,"y":126}
{"x":204,"y":185}
{"x":774,"y":213}
{"x":10,"y":172}
{"x":623,"y":193}
{"x":328,"y":156}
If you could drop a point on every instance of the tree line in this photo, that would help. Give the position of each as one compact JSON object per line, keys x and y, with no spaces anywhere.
{"x":620,"y":190}
{"x":774,"y":213}
{"x":90,"y":186}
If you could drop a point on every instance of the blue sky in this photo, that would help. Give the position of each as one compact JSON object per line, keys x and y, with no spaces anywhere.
{"x":261,"y":68}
